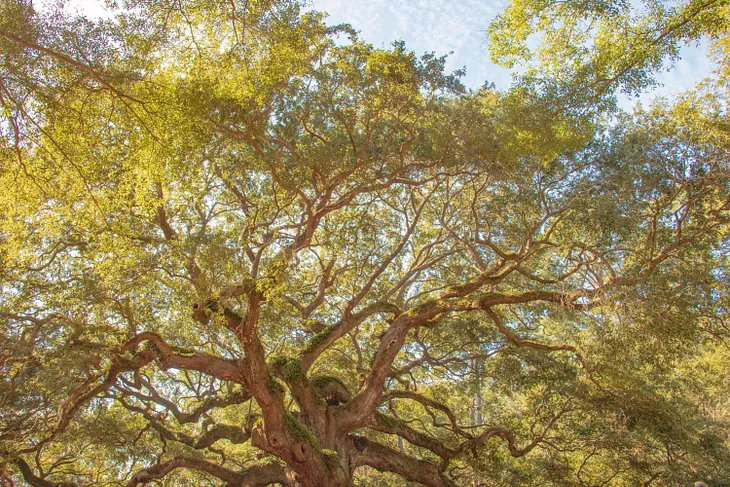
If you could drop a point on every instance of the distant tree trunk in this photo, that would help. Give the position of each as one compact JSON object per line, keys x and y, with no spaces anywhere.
{"x":476,"y":409}
{"x":479,"y":407}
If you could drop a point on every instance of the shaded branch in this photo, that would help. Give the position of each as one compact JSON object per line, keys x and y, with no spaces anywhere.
{"x":237,"y":397}
{"x":340,"y":329}
{"x":234,"y":434}
{"x":33,"y":479}
{"x":387,"y":424}
{"x":255,"y":476}
{"x":386,"y":459}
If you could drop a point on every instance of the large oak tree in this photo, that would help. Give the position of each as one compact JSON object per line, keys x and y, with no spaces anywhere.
{"x":239,"y":246}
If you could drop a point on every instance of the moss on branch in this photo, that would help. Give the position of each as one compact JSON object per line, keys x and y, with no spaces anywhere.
{"x":289,"y":368}
{"x":298,"y":431}
{"x":319,"y":338}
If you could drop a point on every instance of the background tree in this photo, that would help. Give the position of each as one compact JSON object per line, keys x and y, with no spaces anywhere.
{"x":242,"y":247}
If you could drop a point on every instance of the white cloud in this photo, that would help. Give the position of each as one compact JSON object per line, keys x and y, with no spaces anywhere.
{"x":440,"y":26}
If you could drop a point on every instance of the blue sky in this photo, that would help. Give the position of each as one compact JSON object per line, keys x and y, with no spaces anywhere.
{"x":428,"y":25}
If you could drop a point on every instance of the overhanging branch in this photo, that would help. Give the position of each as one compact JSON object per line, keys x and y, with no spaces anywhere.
{"x":255,"y":476}
{"x":387,"y":459}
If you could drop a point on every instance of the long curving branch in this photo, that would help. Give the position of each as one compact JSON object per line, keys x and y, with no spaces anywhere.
{"x":255,"y":476}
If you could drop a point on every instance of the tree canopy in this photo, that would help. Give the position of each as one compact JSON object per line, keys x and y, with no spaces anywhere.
{"x":242,"y":247}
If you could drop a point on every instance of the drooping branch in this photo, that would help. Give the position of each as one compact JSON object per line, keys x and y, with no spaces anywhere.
{"x":255,"y":476}
{"x":387,"y":424}
{"x":32,"y":478}
{"x":234,"y":434}
{"x":91,"y":389}
{"x":387,"y":459}
{"x":567,"y":300}
{"x":218,"y":401}
{"x":513,"y":340}
{"x":164,"y":354}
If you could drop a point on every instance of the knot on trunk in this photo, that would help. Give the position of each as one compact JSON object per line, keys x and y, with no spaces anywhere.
{"x":271,"y":441}
{"x":211,"y":308}
{"x":199,"y":310}
{"x":302,"y":452}
{"x":276,"y":440}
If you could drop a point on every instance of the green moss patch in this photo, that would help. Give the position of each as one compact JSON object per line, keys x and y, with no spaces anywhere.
{"x":331,"y":459}
{"x":273,"y":385}
{"x":289,"y":368}
{"x":320,"y":337}
{"x":298,"y":431}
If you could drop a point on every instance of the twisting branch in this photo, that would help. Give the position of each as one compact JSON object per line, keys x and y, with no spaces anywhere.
{"x":394,"y":337}
{"x":255,"y":476}
{"x":341,"y":328}
{"x":216,"y":401}
{"x":428,"y":403}
{"x":508,"y":437}
{"x":387,"y":424}
{"x":202,"y":362}
{"x":519,"y":343}
{"x":33,"y":479}
{"x":513,"y":340}
{"x":91,"y":389}
{"x":234,"y":434}
{"x":387,"y":459}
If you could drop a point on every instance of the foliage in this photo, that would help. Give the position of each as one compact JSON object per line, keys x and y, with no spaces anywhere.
{"x":285,"y":256}
{"x":589,"y":50}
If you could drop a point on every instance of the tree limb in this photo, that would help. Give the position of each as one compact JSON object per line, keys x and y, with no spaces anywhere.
{"x":387,"y":459}
{"x":255,"y":476}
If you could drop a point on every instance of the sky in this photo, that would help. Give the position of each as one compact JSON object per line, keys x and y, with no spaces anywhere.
{"x":459,"y":27}
{"x":441,"y":26}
